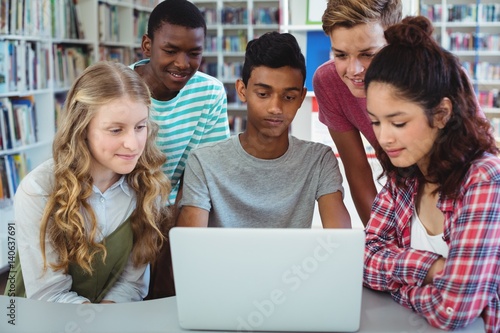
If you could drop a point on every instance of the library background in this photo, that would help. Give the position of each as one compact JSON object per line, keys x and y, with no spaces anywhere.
{"x":45,"y":44}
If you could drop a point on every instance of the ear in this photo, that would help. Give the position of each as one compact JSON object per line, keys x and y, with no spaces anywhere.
{"x":443,"y":114}
{"x":241,"y":90}
{"x":146,"y":46}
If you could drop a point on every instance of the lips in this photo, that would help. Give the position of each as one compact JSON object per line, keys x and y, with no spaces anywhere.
{"x":274,"y":121}
{"x":127,"y":157}
{"x":393,"y":153}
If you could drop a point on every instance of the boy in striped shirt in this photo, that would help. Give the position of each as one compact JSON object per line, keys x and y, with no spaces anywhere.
{"x":189,"y":106}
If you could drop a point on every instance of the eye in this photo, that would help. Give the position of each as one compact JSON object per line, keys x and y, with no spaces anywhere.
{"x":289,"y":98}
{"x":140,"y":127}
{"x":368,"y":55}
{"x":399,"y":125}
{"x":261,"y":94}
{"x":195,"y":54}
{"x":339,"y":55}
{"x":170,"y":52}
{"x":375,"y":123}
{"x":115,"y":130}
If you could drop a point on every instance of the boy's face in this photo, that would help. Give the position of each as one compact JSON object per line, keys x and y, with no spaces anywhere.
{"x":273,"y":96}
{"x":175,"y":55}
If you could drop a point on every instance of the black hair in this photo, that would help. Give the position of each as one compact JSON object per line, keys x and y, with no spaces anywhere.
{"x":422,"y":72}
{"x":177,"y":12}
{"x":273,"y":50}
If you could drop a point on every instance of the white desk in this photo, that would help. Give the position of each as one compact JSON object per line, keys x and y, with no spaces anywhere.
{"x":379,"y":314}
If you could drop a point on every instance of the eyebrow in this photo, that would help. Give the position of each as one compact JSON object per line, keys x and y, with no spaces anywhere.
{"x":174,"y":46}
{"x":389,"y":116}
{"x":114,"y":123}
{"x":363,"y":50}
{"x":266,"y":86}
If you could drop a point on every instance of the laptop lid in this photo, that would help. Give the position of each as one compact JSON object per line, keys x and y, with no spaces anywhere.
{"x":241,"y":279}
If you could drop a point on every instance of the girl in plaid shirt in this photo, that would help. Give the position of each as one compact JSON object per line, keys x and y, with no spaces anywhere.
{"x":433,"y":239}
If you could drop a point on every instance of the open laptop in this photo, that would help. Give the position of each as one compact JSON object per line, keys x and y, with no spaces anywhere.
{"x":239,"y":279}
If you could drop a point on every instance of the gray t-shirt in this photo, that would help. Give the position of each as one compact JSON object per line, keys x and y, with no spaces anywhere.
{"x":240,"y":190}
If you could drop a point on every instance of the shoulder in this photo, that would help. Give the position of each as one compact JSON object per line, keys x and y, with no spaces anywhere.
{"x":204,"y":81}
{"x":213,"y":149}
{"x":312,"y":148}
{"x":325,"y":72}
{"x":485,"y":168}
{"x":40,"y":180}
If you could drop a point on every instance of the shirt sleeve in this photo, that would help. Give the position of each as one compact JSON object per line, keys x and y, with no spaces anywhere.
{"x":388,"y":265}
{"x":328,"y":88}
{"x":49,"y":285}
{"x":195,"y":190}
{"x":330,"y":176}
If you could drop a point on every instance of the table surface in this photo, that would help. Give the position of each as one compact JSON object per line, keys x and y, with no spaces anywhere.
{"x":379,"y":313}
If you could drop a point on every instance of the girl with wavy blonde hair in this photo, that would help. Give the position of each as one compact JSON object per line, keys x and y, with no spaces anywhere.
{"x":90,"y":220}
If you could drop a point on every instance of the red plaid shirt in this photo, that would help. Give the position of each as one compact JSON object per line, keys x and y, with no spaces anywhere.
{"x":468,"y":287}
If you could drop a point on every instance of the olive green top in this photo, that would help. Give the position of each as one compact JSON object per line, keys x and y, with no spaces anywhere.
{"x":105,"y":274}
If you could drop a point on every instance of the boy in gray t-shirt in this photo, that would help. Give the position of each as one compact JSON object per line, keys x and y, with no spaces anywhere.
{"x":264,"y":177}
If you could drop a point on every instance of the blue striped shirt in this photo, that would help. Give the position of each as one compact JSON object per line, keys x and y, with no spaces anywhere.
{"x":197,"y":115}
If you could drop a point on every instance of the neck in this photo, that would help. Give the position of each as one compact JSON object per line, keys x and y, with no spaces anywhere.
{"x":105,"y":182}
{"x":264,"y":147}
{"x":157,"y":88}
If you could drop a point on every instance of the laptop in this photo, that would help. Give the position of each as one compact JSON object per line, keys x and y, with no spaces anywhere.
{"x":242,"y":279}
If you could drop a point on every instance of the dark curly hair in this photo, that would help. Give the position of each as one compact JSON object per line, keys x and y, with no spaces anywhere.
{"x":177,"y":12}
{"x":273,"y":50}
{"x":422,"y":72}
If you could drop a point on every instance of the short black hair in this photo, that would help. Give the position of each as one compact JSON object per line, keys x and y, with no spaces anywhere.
{"x":273,"y":50}
{"x":177,"y":12}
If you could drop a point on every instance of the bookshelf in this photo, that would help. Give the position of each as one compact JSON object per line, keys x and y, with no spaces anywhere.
{"x":230,"y":25}
{"x":471,"y":30}
{"x":44,"y":46}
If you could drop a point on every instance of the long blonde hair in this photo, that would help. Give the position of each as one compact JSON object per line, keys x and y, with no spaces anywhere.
{"x":67,"y":213}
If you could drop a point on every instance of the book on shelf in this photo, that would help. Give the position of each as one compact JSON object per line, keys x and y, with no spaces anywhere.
{"x":19,"y":116}
{"x":13,"y":168}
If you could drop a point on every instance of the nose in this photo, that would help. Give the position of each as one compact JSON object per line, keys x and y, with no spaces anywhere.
{"x":276,"y":105}
{"x":130,"y":141}
{"x":355,"y":66}
{"x":384,"y":134}
{"x":182,"y":60}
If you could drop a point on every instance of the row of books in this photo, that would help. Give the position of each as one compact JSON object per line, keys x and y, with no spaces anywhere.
{"x":140,"y":24}
{"x":69,"y":62}
{"x":109,"y":23}
{"x":13,"y":168}
{"x":17,"y":122}
{"x":24,"y":65}
{"x":472,"y":41}
{"x":489,"y":98}
{"x":209,"y":68}
{"x":463,"y":13}
{"x":232,"y":70}
{"x":482,"y":70}
{"x":230,"y":15}
{"x":120,"y":54}
{"x":235,"y":43}
{"x":26,"y":17}
{"x":56,"y":18}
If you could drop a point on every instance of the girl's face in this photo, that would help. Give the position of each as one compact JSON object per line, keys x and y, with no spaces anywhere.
{"x":401,"y":127}
{"x":116,"y":138}
{"x":353,"y":50}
